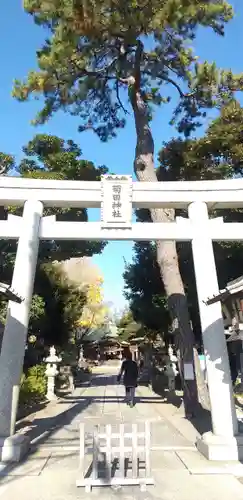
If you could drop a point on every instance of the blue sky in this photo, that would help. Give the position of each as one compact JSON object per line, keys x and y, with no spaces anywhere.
{"x":19,"y":40}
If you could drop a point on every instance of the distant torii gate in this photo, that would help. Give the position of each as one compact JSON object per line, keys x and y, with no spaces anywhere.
{"x":117,"y":195}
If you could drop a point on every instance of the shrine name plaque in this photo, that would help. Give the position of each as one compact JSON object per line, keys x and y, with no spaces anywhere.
{"x":116,"y":201}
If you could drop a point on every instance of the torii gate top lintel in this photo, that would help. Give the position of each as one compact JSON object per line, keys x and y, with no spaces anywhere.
{"x":116,"y":196}
{"x":62,"y":193}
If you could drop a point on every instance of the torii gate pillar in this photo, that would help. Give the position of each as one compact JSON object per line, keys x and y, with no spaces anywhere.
{"x":13,"y":447}
{"x":223,"y":443}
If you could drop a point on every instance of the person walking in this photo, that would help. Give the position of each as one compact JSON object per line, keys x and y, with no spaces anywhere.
{"x":129,"y":372}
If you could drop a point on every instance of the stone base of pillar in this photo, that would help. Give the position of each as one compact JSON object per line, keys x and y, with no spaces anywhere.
{"x":51,"y":397}
{"x":13,"y":448}
{"x":219,"y":448}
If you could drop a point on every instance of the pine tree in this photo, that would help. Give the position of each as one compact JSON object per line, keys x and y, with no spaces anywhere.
{"x":104,"y":58}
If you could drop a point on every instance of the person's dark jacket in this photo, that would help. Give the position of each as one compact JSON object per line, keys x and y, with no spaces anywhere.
{"x":129,"y":371}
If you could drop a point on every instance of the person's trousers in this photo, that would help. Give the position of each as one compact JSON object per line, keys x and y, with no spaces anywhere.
{"x":130,"y":394}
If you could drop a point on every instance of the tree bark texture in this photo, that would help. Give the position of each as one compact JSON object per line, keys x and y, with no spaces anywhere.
{"x":166,"y":253}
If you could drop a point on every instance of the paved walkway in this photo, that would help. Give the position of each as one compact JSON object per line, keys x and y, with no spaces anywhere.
{"x":50,"y":472}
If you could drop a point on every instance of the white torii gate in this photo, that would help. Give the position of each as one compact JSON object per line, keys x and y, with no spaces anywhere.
{"x":224,"y":443}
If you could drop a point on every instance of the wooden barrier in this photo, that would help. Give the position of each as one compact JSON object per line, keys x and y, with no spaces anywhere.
{"x":111,"y":456}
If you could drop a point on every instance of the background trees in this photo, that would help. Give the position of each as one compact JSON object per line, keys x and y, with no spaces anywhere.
{"x":217,"y":155}
{"x":95,"y":310}
{"x":50,"y":157}
{"x":128,"y":327}
{"x":144,"y":290}
{"x":57,"y":302}
{"x":88,"y":278}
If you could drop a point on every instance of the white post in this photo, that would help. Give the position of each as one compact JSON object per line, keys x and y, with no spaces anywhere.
{"x":223,"y":413}
{"x":15,"y":333}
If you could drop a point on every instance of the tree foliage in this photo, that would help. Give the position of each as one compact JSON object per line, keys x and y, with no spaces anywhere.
{"x":38,"y":317}
{"x":64,"y":303}
{"x":6,"y":163}
{"x":50,"y":157}
{"x":216,"y":155}
{"x":95,"y":311}
{"x":144,"y":289}
{"x":127,"y":327}
{"x":87,"y":277}
{"x":95,"y":50}
{"x":145,"y":292}
{"x":57,"y":304}
{"x":33,"y":386}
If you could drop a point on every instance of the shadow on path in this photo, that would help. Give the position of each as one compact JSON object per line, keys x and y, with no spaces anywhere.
{"x":43,"y":429}
{"x":167,"y":397}
{"x":40,"y":431}
{"x":202,"y":422}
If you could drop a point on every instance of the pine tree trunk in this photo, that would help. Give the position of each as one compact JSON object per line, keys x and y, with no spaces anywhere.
{"x":166,"y":253}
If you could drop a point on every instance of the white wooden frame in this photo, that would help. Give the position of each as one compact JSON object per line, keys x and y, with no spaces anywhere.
{"x":120,"y":452}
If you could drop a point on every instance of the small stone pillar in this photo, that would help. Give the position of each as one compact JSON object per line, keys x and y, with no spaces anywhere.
{"x":221,"y":444}
{"x":171,"y":369}
{"x":147,"y":367}
{"x":81,"y":358}
{"x":51,"y":371}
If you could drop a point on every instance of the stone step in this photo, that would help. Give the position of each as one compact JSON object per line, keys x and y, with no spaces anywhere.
{"x":197,"y":464}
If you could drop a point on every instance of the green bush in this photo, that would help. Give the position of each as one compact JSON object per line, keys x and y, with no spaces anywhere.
{"x":33,"y":385}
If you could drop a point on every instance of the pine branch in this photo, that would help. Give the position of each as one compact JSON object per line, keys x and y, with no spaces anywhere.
{"x":175,"y":84}
{"x":119,"y":100}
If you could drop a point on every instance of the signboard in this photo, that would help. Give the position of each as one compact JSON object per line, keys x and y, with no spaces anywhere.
{"x":116,"y":201}
{"x":188,"y":371}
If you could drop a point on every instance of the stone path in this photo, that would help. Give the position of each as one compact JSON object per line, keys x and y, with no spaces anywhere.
{"x":50,"y":472}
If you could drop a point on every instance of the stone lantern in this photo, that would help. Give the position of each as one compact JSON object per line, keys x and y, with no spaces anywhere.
{"x":51,"y":371}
